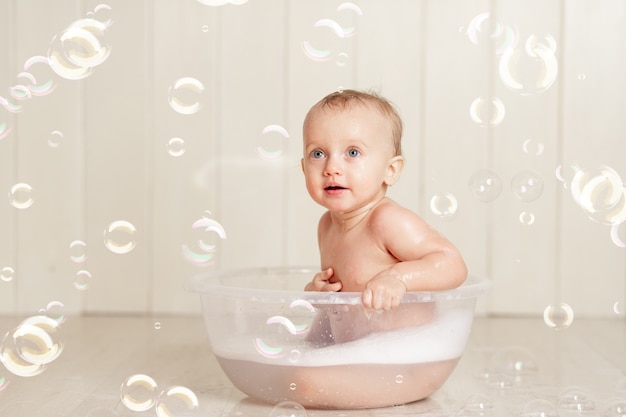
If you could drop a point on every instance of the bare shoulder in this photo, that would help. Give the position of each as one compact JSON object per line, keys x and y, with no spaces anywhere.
{"x":389,"y":215}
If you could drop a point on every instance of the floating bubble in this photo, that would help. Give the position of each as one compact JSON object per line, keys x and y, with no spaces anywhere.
{"x":204,"y":28}
{"x":176,"y":147}
{"x":267,"y":350}
{"x":487,"y":112}
{"x":82,"y":280}
{"x":582,"y":77}
{"x":185,"y":95}
{"x":558,"y":316}
{"x":157,"y":325}
{"x":288,"y":409}
{"x":600,"y":193}
{"x":316,"y":54}
{"x":7,"y":274}
{"x":618,"y":308}
{"x":4,"y":382}
{"x":75,"y":52}
{"x":287,"y":324}
{"x":444,"y":205}
{"x":575,"y":399}
{"x":481,"y":30}
{"x":102,"y":13}
{"x":539,"y":408}
{"x":20,"y":92}
{"x":176,"y":401}
{"x":21,"y":196}
{"x":486,"y":185}
{"x":532,"y":147}
{"x":527,"y":186}
{"x":399,"y":379}
{"x":50,"y":308}
{"x":527,"y":218}
{"x":78,"y":251}
{"x":533,"y":72}
{"x":55,"y":139}
{"x":618,"y":234}
{"x":273,"y":145}
{"x":14,"y":362}
{"x":207,"y":233}
{"x":37,"y":340}
{"x":342,"y":59}
{"x":4,"y":130}
{"x":38,"y":71}
{"x":335,"y":27}
{"x":119,"y":237}
{"x":138,"y":392}
{"x":10,"y":106}
{"x":293,"y":386}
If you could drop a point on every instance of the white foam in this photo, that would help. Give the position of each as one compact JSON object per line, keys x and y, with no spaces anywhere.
{"x":441,"y":339}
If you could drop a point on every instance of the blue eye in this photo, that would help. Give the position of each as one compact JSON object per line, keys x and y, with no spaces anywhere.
{"x":317,"y":154}
{"x":354,"y":153}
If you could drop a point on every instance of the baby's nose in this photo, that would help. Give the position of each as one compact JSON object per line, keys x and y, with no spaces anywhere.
{"x":333,"y":167}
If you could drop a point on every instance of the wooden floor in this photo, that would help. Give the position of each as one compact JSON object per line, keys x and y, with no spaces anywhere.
{"x":511,"y":367}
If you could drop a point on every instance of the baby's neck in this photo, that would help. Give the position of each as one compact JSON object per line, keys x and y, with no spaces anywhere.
{"x":346,"y":221}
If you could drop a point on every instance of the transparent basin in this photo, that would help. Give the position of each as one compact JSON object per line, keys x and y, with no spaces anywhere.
{"x":276,"y":342}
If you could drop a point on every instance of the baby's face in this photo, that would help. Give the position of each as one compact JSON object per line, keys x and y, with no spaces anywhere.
{"x":347,"y":156}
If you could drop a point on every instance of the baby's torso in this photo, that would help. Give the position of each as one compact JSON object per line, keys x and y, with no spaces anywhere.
{"x":355,"y":256}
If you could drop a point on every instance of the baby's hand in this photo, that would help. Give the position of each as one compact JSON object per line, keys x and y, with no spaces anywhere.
{"x":383,"y":292}
{"x":321,"y":282}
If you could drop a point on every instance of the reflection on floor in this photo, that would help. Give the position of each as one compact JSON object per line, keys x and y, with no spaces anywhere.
{"x":142,"y":366}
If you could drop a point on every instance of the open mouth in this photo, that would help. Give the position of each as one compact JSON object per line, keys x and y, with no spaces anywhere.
{"x":334,"y":187}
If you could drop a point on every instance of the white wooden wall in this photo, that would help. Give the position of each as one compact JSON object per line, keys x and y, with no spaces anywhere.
{"x":109,"y":148}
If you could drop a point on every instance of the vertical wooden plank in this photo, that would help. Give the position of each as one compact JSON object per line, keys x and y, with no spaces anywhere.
{"x":117,"y":171}
{"x":592,"y":265}
{"x":7,"y":163}
{"x":525,"y":149}
{"x":184,"y":148}
{"x":48,"y":160}
{"x":254,"y":140}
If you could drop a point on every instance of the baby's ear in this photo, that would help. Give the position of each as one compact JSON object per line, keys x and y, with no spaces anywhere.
{"x":394,"y":169}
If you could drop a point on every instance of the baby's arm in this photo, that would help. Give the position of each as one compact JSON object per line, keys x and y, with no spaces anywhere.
{"x":427,"y":261}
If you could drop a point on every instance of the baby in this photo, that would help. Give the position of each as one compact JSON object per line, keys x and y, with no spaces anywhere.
{"x":368,"y":243}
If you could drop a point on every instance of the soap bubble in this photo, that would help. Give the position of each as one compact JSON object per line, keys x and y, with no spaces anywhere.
{"x":176,"y":147}
{"x":477,"y":405}
{"x":102,"y":13}
{"x":600,"y":193}
{"x":558,"y":316}
{"x":7,"y":274}
{"x":185,"y":95}
{"x":486,"y":185}
{"x":481,"y":30}
{"x":55,"y":139}
{"x":4,"y":129}
{"x":615,"y":408}
{"x":444,"y":205}
{"x":38,"y":71}
{"x":37,"y":340}
{"x":77,"y":251}
{"x":138,"y":392}
{"x":532,"y":147}
{"x":575,"y":399}
{"x":618,"y":234}
{"x":288,"y":409}
{"x":533,"y":70}
{"x":14,"y":362}
{"x":79,"y":48}
{"x":539,"y":408}
{"x":274,"y":142}
{"x":82,"y":280}
{"x":4,"y":382}
{"x":527,"y":185}
{"x":176,"y":401}
{"x":487,"y":112}
{"x":513,"y":361}
{"x":21,"y":196}
{"x":119,"y":237}
{"x":206,"y":234}
{"x":527,"y":218}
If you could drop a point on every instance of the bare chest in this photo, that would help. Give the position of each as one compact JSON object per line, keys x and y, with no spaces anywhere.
{"x":355,"y":257}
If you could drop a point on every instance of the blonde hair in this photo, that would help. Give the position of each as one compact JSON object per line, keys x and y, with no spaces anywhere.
{"x":344,"y":98}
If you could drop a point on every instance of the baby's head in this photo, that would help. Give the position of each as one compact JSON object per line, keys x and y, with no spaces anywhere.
{"x":344,"y":99}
